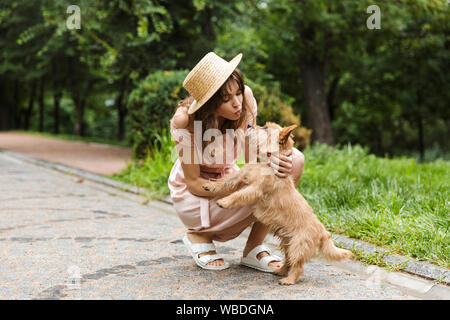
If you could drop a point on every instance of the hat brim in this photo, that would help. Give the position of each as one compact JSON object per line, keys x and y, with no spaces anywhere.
{"x":216,"y":86}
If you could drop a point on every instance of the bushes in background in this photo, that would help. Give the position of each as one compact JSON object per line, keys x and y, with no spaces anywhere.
{"x":276,"y":107}
{"x":153,"y":103}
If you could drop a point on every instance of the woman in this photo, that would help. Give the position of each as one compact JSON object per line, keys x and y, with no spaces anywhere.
{"x":218,"y":100}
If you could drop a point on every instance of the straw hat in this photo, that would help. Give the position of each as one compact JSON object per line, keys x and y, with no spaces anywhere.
{"x":207,"y":77}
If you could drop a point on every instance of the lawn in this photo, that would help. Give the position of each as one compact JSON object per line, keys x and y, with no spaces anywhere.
{"x":398,"y":203}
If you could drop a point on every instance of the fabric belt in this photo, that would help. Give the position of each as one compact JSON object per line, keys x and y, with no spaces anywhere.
{"x":204,"y":212}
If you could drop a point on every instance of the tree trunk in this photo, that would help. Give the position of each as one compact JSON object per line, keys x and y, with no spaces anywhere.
{"x":4,"y":107}
{"x":56,"y":99}
{"x":79,"y":99}
{"x":41,"y":105}
{"x":420,"y":126}
{"x":313,"y":78}
{"x":207,"y":26}
{"x":121,"y":110}
{"x":4,"y":117}
{"x":79,"y":116}
{"x":331,"y":97}
{"x":421,"y":139}
{"x":30,"y":105}
{"x":16,"y":106}
{"x":57,"y":95}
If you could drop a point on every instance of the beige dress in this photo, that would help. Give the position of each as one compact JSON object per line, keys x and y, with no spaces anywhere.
{"x":201,"y":214}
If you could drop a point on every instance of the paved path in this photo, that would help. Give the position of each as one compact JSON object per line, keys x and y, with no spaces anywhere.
{"x":93,"y":157}
{"x":63,"y":238}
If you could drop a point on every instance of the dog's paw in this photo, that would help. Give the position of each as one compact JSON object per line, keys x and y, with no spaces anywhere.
{"x":208,"y":187}
{"x":286,"y":281}
{"x":349,"y":255}
{"x":223,"y":204}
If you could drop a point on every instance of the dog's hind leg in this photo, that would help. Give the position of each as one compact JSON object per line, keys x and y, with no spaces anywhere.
{"x":300,"y":249}
{"x":283,"y":271}
{"x":295,"y":271}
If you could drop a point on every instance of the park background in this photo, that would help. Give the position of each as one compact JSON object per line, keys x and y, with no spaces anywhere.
{"x":372,"y":104}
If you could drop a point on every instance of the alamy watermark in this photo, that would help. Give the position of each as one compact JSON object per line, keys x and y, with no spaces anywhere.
{"x":213,"y":147}
{"x":74,"y":278}
{"x":374,"y":281}
{"x":374,"y":20}
{"x":74,"y":20}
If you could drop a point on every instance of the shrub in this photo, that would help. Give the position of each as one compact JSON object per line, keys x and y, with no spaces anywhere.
{"x":151,"y":105}
{"x":274,"y":106}
{"x":153,"y":102}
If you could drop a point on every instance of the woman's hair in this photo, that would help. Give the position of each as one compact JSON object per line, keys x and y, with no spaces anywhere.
{"x":206,"y":113}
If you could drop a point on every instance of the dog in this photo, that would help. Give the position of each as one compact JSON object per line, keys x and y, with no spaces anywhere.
{"x":278,"y":205}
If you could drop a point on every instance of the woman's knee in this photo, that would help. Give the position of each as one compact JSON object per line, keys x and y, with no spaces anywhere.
{"x":298,"y":163}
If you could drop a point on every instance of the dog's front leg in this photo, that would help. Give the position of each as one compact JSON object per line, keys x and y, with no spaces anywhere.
{"x":224,"y":186}
{"x":245,"y":196}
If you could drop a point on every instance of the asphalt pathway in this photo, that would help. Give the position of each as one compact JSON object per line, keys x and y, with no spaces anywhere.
{"x":93,"y":157}
{"x":62,"y":237}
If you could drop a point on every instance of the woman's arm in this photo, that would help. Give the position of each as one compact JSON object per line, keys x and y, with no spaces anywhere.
{"x":181,"y":118}
{"x":248,"y":95}
{"x":194,"y":182}
{"x":191,"y":171}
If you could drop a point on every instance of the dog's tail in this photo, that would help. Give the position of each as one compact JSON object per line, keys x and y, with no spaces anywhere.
{"x":331,"y":252}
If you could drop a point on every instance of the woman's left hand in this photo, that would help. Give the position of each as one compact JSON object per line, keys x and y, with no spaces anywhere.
{"x":282,"y":164}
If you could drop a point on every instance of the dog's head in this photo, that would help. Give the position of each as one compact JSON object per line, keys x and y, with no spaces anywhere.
{"x":272,"y":139}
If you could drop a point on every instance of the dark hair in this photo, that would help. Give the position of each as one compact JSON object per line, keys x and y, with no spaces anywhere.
{"x":206,"y":113}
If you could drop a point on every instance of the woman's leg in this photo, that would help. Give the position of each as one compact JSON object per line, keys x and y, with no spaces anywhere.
{"x":205,"y":237}
{"x":259,"y":231}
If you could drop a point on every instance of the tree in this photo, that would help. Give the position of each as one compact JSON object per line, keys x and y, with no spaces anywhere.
{"x":345,"y":77}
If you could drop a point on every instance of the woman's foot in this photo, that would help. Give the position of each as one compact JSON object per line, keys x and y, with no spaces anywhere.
{"x":204,"y":238}
{"x":259,"y":256}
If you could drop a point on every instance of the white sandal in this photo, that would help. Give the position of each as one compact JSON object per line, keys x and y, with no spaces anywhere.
{"x":196,"y":249}
{"x":262,"y":264}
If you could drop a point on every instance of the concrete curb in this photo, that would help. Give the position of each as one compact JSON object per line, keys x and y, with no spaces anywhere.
{"x":77,"y":172}
{"x":408,"y":265}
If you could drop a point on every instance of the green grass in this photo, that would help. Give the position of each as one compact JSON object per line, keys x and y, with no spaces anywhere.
{"x":152,"y":172}
{"x":396,"y":203}
{"x":70,"y":137}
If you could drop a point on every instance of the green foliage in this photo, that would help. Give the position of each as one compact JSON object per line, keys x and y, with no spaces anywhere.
{"x":153,"y":170}
{"x":386,"y":89}
{"x":155,"y":98}
{"x":381,"y":85}
{"x":273,"y":106}
{"x":398,"y":203}
{"x":151,"y":105}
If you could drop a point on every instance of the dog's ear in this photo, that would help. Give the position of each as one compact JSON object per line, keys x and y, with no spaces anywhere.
{"x":285,"y":132}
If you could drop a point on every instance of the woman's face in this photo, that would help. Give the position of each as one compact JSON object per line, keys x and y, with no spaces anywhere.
{"x":231,"y":107}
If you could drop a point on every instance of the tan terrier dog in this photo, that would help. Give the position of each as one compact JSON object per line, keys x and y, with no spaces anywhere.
{"x":278,"y":205}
